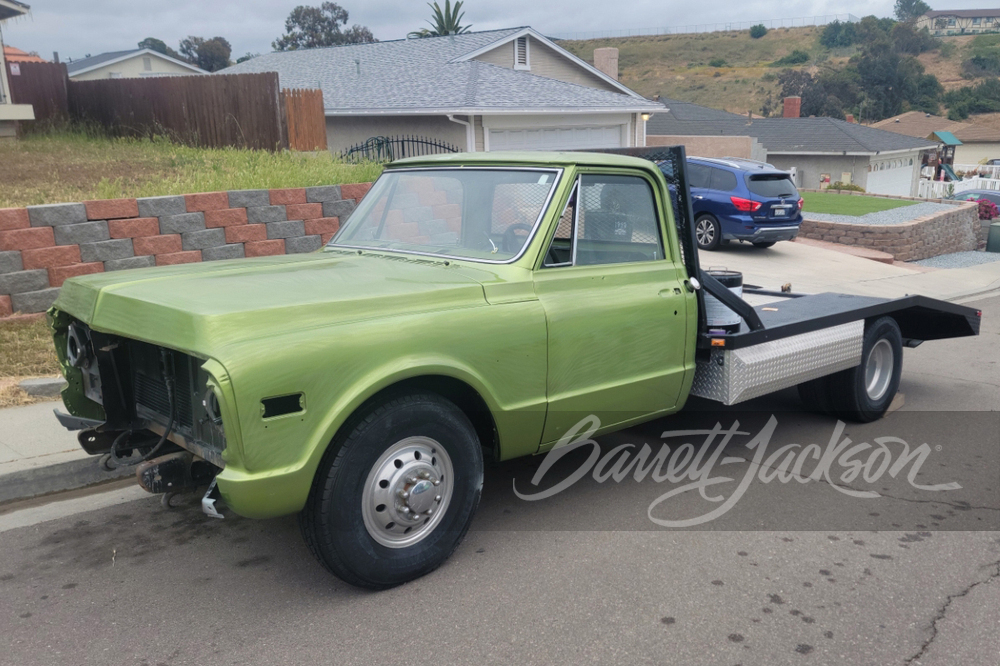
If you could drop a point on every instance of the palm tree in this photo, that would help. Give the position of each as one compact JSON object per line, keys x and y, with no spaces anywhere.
{"x":443,"y":23}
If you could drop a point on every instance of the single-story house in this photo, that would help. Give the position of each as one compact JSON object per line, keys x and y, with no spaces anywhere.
{"x":977,"y":142}
{"x":479,"y":91}
{"x":10,"y":113}
{"x":130,"y":64}
{"x":818,"y":151}
{"x":12,"y":54}
{"x":960,"y":21}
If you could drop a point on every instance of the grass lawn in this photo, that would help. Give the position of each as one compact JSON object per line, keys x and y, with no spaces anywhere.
{"x":77,"y":166}
{"x":846,"y":204}
{"x":25,"y":351}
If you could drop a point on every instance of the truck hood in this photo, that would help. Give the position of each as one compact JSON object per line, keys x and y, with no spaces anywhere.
{"x":201,"y":307}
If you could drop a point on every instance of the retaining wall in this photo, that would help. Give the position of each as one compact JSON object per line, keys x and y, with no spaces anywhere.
{"x":42,"y":246}
{"x":928,"y":236}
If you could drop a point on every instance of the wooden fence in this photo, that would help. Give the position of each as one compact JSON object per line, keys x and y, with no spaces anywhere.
{"x":242,"y":110}
{"x":305,"y":120}
{"x":43,"y":85}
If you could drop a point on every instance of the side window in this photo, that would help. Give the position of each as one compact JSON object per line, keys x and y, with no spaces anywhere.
{"x":722,"y":180}
{"x":561,"y":248}
{"x":699,"y":175}
{"x":616,"y":221}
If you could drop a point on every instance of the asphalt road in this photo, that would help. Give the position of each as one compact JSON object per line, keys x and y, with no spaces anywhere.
{"x":793,"y":572}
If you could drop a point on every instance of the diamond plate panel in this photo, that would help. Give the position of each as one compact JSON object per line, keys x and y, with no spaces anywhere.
{"x":735,"y":375}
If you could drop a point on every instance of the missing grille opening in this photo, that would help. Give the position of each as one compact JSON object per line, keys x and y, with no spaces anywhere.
{"x":282,"y":404}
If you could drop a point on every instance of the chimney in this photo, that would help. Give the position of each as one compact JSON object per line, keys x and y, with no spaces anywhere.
{"x":606,"y":60}
{"x":793,"y":107}
{"x":55,"y":57}
{"x":850,"y":117}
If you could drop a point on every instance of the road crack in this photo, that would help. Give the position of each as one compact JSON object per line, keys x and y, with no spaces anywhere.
{"x":915,"y":659}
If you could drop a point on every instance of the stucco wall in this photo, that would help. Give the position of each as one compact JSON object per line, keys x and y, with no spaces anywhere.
{"x":809,"y":167}
{"x":973,"y":153}
{"x":547,"y":62}
{"x":42,"y":246}
{"x":713,"y":146}
{"x":133,"y":68}
{"x":342,"y":132}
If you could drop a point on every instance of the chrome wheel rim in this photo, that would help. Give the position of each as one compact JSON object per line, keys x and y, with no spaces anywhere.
{"x":878,"y":369}
{"x":705,"y":232}
{"x":407,"y":492}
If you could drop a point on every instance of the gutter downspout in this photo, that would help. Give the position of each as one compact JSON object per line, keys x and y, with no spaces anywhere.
{"x":470,"y":133}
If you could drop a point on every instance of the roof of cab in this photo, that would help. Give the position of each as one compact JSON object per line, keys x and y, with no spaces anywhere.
{"x":530,"y":159}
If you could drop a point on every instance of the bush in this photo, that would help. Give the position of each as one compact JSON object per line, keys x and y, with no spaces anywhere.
{"x":717,"y":62}
{"x":987,"y":209}
{"x":838,"y":34}
{"x":758,"y":31}
{"x":846,"y":187}
{"x":796,"y":57}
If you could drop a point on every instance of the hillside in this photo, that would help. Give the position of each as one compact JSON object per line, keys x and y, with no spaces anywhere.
{"x":677,"y":66}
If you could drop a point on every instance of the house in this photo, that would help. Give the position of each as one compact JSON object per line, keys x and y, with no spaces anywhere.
{"x":818,"y":151}
{"x":975,"y":142}
{"x":10,"y":113}
{"x":128,"y":65}
{"x":479,"y":91}
{"x":12,"y":54}
{"x":960,"y":21}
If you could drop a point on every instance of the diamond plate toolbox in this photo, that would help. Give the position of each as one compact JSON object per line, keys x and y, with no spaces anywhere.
{"x":730,"y":376}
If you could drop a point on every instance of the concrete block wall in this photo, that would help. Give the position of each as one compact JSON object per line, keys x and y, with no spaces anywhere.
{"x":42,"y":246}
{"x":954,"y":230}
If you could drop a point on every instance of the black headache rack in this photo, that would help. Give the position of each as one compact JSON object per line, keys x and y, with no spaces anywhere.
{"x":920,"y":318}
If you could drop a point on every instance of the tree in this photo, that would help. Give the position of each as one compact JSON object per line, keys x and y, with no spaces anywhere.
{"x":447,"y":22}
{"x":210,"y":55}
{"x":758,"y":31}
{"x":313,"y":27}
{"x":154,"y":44}
{"x":911,"y":10}
{"x":246,"y":56}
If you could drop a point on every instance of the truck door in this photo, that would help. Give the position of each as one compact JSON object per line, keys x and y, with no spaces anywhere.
{"x":615,"y":307}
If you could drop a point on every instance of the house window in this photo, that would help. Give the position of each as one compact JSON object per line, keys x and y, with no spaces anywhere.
{"x":521,"y":56}
{"x":147,"y":64}
{"x":976,"y":21}
{"x":951,"y":22}
{"x":114,"y":75}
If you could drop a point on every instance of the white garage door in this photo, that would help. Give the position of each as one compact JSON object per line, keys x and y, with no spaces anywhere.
{"x":891,"y":176}
{"x":556,"y":138}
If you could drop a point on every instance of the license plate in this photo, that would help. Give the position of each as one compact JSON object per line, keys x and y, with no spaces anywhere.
{"x":780,"y":212}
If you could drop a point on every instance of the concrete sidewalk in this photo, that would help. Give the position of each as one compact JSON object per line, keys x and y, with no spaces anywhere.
{"x":31,"y":437}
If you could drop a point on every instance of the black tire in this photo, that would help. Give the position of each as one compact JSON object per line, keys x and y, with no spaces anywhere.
{"x":815,"y":395}
{"x":764,"y":244}
{"x":332,"y":523}
{"x":712,"y":232}
{"x":850,"y":394}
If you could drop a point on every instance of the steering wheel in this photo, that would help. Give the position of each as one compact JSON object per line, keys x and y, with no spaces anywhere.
{"x":510,"y":243}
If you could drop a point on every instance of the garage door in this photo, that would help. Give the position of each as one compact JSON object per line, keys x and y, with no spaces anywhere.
{"x":891,"y":176}
{"x":556,"y":138}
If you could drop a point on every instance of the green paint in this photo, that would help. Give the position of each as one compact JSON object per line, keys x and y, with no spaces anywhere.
{"x":540,"y":346}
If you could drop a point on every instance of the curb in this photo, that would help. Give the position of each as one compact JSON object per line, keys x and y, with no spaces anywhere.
{"x":73,"y":475}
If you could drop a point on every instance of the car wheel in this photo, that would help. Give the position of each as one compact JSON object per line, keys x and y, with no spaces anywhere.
{"x":864,"y":393}
{"x":764,"y":244}
{"x":707,"y":232}
{"x":393,"y":499}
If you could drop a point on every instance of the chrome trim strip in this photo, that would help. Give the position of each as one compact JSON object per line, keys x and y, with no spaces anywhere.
{"x":527,"y":243}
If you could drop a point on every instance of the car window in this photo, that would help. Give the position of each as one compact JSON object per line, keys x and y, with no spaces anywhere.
{"x":560,"y":251}
{"x":772,"y":185}
{"x":699,"y":175}
{"x":723,"y":180}
{"x":616,"y":221}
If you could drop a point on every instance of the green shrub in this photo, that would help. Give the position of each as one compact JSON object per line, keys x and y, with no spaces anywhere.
{"x":758,"y":31}
{"x":796,"y":57}
{"x":846,"y":187}
{"x":717,"y":62}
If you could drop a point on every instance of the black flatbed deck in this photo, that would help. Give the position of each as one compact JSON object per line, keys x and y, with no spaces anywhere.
{"x":919,"y":317}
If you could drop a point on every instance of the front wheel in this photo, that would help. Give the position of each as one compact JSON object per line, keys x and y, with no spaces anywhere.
{"x":394,"y":498}
{"x":707,"y":232}
{"x":864,"y":393}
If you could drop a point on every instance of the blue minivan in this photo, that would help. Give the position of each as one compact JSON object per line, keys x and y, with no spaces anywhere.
{"x":744,"y":200}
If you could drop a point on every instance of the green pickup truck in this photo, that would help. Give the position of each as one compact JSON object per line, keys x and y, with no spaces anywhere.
{"x":473,"y":305}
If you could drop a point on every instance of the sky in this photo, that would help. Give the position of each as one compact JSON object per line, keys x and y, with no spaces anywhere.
{"x":76,"y":28}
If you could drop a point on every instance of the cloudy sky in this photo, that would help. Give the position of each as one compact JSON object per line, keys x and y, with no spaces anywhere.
{"x":75,"y":28}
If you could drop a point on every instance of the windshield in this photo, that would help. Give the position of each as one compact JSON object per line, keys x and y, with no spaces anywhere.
{"x":481,"y":214}
{"x":772,"y":185}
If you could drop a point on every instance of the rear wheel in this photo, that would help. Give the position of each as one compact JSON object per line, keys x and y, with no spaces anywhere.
{"x":707,"y":232}
{"x":764,"y":244}
{"x":815,"y":395}
{"x":393,"y":499}
{"x":864,"y":393}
